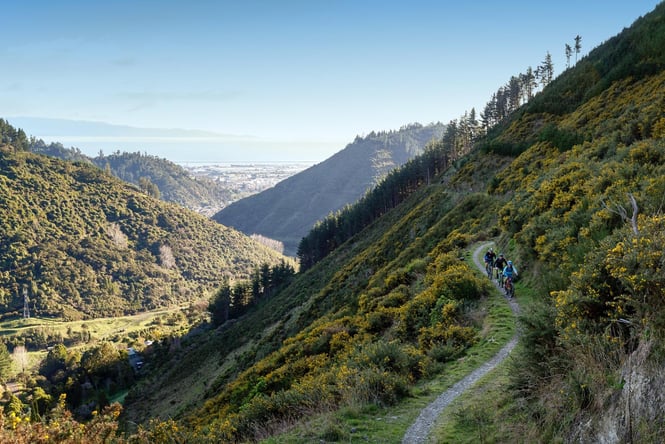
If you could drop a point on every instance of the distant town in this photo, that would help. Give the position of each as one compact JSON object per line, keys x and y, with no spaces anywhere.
{"x":243,"y":179}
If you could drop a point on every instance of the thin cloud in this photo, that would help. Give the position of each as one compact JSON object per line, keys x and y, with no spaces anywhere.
{"x":185,"y":96}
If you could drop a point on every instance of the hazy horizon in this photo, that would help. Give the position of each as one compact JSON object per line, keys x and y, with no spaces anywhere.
{"x":176,"y":145}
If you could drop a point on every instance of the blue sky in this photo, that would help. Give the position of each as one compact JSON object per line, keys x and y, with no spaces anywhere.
{"x":277,"y":79}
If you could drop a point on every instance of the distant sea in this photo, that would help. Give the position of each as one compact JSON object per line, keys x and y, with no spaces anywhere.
{"x":177,"y":145}
{"x":189,"y":151}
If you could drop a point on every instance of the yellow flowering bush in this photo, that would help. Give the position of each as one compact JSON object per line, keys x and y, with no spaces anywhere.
{"x":622,"y":284}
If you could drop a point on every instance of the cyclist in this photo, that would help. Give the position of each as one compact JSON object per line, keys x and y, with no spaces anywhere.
{"x":489,"y":261}
{"x":508,"y":272}
{"x":500,"y":264}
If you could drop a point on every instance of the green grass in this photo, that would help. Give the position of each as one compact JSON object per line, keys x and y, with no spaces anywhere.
{"x":119,"y":397}
{"x":99,"y":328}
{"x":475,"y":417}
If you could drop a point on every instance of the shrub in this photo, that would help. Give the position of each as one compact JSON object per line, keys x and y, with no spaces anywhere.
{"x":562,"y":139}
{"x":378,"y":321}
{"x":454,"y":337}
{"x":416,"y":314}
{"x":60,"y":427}
{"x":359,"y":386}
{"x":460,"y":284}
{"x":445,"y":311}
{"x":388,"y":356}
{"x":396,"y":297}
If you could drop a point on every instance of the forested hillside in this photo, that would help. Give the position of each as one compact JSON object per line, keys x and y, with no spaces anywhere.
{"x":80,"y":243}
{"x":159,"y":177}
{"x":288,"y":211}
{"x":571,"y":186}
{"x":166,"y":180}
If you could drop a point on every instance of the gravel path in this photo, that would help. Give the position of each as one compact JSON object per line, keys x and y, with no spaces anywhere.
{"x":420,"y":429}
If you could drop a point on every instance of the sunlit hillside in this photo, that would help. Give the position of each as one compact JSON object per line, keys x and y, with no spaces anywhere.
{"x":552,"y":184}
{"x":80,"y":243}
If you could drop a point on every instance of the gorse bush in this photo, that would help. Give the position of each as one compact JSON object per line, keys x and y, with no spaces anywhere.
{"x":58,"y":426}
{"x":562,"y":139}
{"x":621,"y":286}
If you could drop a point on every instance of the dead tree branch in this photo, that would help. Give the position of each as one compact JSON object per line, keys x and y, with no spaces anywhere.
{"x":623,"y":212}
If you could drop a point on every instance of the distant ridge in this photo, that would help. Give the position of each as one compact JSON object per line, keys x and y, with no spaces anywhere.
{"x":288,"y":211}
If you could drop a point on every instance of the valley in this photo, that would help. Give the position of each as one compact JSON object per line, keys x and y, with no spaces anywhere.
{"x":383,"y":316}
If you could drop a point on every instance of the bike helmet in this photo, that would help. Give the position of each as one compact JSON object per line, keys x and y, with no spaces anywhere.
{"x":510,"y":262}
{"x":500,"y":254}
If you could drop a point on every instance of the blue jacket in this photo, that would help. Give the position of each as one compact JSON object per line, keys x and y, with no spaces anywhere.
{"x":509,"y":270}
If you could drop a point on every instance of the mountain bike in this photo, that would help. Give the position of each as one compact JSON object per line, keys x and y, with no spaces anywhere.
{"x":499,"y":277}
{"x":509,"y":286}
{"x":489,"y":268}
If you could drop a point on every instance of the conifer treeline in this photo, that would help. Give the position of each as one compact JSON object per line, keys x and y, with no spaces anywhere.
{"x":457,"y":141}
{"x":232,"y":301}
{"x":518,"y":91}
{"x":12,"y":136}
{"x":334,"y":230}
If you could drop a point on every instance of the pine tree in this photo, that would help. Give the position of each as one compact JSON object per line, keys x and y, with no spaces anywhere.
{"x":220,"y":304}
{"x":569,"y":52}
{"x":529,"y":83}
{"x":546,"y":70}
{"x":578,"y":46}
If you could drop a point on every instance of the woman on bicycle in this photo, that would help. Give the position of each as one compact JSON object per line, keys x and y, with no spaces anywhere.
{"x":508,"y":272}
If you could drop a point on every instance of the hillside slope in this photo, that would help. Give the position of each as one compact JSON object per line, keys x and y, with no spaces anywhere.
{"x":375,"y":295}
{"x":83,"y":244}
{"x":288,"y":211}
{"x":571,"y":187}
{"x":586,"y":214}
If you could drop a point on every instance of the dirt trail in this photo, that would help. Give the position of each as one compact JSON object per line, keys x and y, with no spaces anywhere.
{"x":421,"y":428}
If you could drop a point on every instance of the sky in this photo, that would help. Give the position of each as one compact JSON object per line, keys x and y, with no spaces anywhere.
{"x":272,"y":80}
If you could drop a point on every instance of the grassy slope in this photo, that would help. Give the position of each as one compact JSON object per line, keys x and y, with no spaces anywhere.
{"x":389,"y":423}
